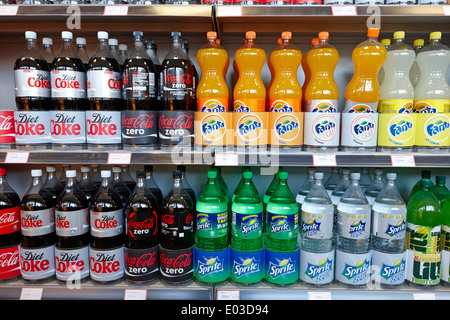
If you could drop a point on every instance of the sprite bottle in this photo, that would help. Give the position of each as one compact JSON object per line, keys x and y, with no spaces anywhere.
{"x":241,"y":182}
{"x":211,"y":252}
{"x":440,"y":190}
{"x":247,"y":246}
{"x":423,"y":237}
{"x":281,"y":235}
{"x":445,"y":231}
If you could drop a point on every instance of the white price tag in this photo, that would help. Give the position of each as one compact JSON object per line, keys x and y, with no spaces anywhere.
{"x":135,"y":294}
{"x":9,"y":10}
{"x":229,"y":11}
{"x":446,"y":10}
{"x":226,"y":159}
{"x":313,"y":295}
{"x":324,"y":160}
{"x":115,"y":11}
{"x":424,"y":296}
{"x":119,"y":158}
{"x":16,"y":157}
{"x":403,"y":161}
{"x":344,"y":11}
{"x":228,"y":295}
{"x":31,"y":293}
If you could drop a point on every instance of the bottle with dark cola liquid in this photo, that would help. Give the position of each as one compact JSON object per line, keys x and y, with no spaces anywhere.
{"x":10,"y":235}
{"x":142,"y":235}
{"x":107,"y":225}
{"x":37,"y":216}
{"x":151,"y":49}
{"x":52,"y":183}
{"x":95,"y":175}
{"x":151,"y":184}
{"x":62,"y":177}
{"x":177,"y":234}
{"x":47,"y":51}
{"x":86,"y":184}
{"x":119,"y":185}
{"x":196,"y":79}
{"x":127,"y":178}
{"x":186,"y":185}
{"x":82,"y":52}
{"x":114,"y":51}
{"x":72,"y":232}
{"x":123,"y":53}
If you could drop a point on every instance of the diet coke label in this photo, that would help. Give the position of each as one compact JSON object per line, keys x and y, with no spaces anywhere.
{"x":37,"y":264}
{"x":176,"y":127}
{"x":32,"y":127}
{"x":68,"y":127}
{"x":103,"y":84}
{"x":38,"y":222}
{"x":32,"y":83}
{"x":176,"y":265}
{"x":106,"y":224}
{"x":9,"y":262}
{"x":141,"y":264}
{"x":7,"y":132}
{"x":103,"y":127}
{"x":106,"y":265}
{"x":140,"y":127}
{"x":72,"y":223}
{"x":68,"y":84}
{"x":9,"y":220}
{"x":69,"y":262}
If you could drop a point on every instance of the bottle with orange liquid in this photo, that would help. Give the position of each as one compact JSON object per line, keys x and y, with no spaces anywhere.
{"x":363,"y":91}
{"x":307,"y":70}
{"x":213,"y":94}
{"x":285,"y":92}
{"x":322,"y":93}
{"x":272,"y":75}
{"x":249,"y":93}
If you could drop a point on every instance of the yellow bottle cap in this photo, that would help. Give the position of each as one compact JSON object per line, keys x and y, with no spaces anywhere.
{"x":418,"y":42}
{"x":386,"y":42}
{"x":399,"y":35}
{"x":435,"y":35}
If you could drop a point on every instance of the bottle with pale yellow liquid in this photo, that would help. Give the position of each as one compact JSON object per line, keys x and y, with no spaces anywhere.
{"x":414,"y":74}
{"x":386,"y":43}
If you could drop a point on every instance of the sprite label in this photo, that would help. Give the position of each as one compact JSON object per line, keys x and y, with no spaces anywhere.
{"x":282,"y":226}
{"x":212,"y":225}
{"x":211,"y":267}
{"x":245,"y":225}
{"x":282,"y":268}
{"x":247,"y":267}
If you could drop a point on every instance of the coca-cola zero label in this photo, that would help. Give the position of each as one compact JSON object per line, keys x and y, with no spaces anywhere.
{"x":68,"y":127}
{"x":68,"y":84}
{"x":103,"y":127}
{"x":141,"y":264}
{"x":139,"y":127}
{"x":69,"y":262}
{"x":32,"y":83}
{"x":72,"y":223}
{"x":177,"y":84}
{"x":32,"y":127}
{"x":37,"y":222}
{"x":7,"y":132}
{"x":106,"y":224}
{"x":176,"y":224}
{"x":139,"y":226}
{"x":104,"y":84}
{"x":176,"y":265}
{"x":176,"y":127}
{"x":9,"y":220}
{"x":138,"y":84}
{"x":36,"y":264}
{"x":106,"y":265}
{"x":9,"y":262}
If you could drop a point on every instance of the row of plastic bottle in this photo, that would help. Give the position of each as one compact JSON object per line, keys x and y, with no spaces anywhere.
{"x":235,"y":2}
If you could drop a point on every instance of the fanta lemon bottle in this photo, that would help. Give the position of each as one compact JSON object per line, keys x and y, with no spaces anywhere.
{"x":285,"y":92}
{"x":213,"y":94}
{"x":363,"y":91}
{"x":386,"y":43}
{"x":322,"y":93}
{"x":249,"y":92}
{"x":306,"y":69}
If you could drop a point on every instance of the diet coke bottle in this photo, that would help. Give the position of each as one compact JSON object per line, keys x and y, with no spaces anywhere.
{"x":106,"y":250}
{"x":33,"y":97}
{"x":68,"y":78}
{"x":86,"y":184}
{"x":72,"y":232}
{"x":37,"y":216}
{"x":142,"y":234}
{"x":9,"y":230}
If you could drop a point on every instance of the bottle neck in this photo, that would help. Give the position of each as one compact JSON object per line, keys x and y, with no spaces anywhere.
{"x":434,"y":41}
{"x":117,"y":176}
{"x":177,"y":185}
{"x":36,"y":181}
{"x":86,"y":176}
{"x":318,"y":182}
{"x":398,"y":41}
{"x":390,"y":183}
{"x":70,"y":183}
{"x":105,"y":183}
{"x":67,"y":49}
{"x":139,"y":43}
{"x":51,"y":176}
{"x":102,"y":48}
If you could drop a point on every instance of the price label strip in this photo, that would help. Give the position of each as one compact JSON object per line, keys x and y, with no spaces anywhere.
{"x":135,"y":294}
{"x":228,"y":295}
{"x":115,"y":11}
{"x":344,"y":11}
{"x":226,"y":159}
{"x":16,"y":157}
{"x":31,"y":294}
{"x":119,"y":157}
{"x":403,"y":161}
{"x":324,"y":160}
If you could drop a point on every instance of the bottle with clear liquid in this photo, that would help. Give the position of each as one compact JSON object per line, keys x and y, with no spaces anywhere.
{"x":375,"y":187}
{"x":333,"y":180}
{"x":307,"y":184}
{"x":414,"y":73}
{"x":365,"y":180}
{"x":341,"y":187}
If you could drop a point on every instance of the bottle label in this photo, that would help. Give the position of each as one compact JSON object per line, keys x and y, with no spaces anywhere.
{"x":316,"y":268}
{"x":176,"y":266}
{"x":285,"y":105}
{"x":322,"y":129}
{"x":248,"y":226}
{"x":389,"y":268}
{"x":360,"y":107}
{"x":317,"y":226}
{"x":9,"y":262}
{"x":247,"y":267}
{"x":37,"y":264}
{"x":249,"y":105}
{"x":281,"y":268}
{"x":7,"y":132}
{"x":177,"y":84}
{"x":138,"y":84}
{"x":103,"y":84}
{"x":424,"y":239}
{"x":68,"y":84}
{"x":396,"y":130}
{"x":389,"y":226}
{"x":32,"y":127}
{"x":32,"y":83}
{"x":9,"y":220}
{"x":178,"y":223}
{"x":423,"y":268}
{"x":211,"y":267}
{"x":282,"y":226}
{"x":431,"y":106}
{"x":140,"y":127}
{"x":307,"y":1}
{"x":445,"y":257}
{"x":176,"y":127}
{"x":38,"y":222}
{"x":106,"y":265}
{"x":103,"y":127}
{"x":395,"y":106}
{"x":141,"y":226}
{"x":433,"y":129}
{"x":68,"y":127}
{"x":106,"y":224}
{"x":330,"y":106}
{"x":72,"y":223}
{"x":72,"y":263}
{"x":445,"y":237}
{"x":359,"y":130}
{"x":212,"y":225}
{"x":355,"y":226}
{"x":141,"y":264}
{"x":353,"y":269}
{"x":213,"y":105}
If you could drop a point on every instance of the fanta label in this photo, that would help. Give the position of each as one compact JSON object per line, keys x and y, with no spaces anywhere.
{"x":388,"y":268}
{"x":286,"y":129}
{"x":212,"y":105}
{"x":359,"y":130}
{"x":396,"y":106}
{"x":249,"y":105}
{"x":433,"y":130}
{"x":250,"y":128}
{"x":321,"y":129}
{"x":321,"y":106}
{"x":396,"y":130}
{"x":360,"y":107}
{"x":431,"y":106}
{"x":316,"y":268}
{"x":285,"y":105}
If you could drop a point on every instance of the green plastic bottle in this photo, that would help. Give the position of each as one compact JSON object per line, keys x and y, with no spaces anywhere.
{"x":238,"y":187}
{"x":440,"y":190}
{"x":281,"y":235}
{"x":445,"y":231}
{"x":423,"y":237}
{"x":426,"y":175}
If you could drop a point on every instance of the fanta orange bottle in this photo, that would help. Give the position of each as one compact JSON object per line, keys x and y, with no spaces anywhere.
{"x":249,"y":92}
{"x":269,"y":64}
{"x":363,"y":90}
{"x":307,"y":70}
{"x":225,"y":70}
{"x":322,"y":93}
{"x":213,"y":94}
{"x":285,"y":92}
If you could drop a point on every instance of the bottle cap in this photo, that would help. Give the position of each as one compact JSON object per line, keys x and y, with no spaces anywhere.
{"x":310,"y":169}
{"x":426,"y":174}
{"x":435,"y":35}
{"x":212,"y":174}
{"x":140,"y":174}
{"x":138,"y":34}
{"x":318,"y":175}
{"x":440,"y":179}
{"x":148,"y":167}
{"x":279,"y":41}
{"x":177,"y":174}
{"x":373,"y":32}
{"x":418,"y":42}
{"x":286,"y":35}
{"x":50,"y":168}
{"x":102,"y":35}
{"x":425,"y":183}
{"x":181,"y":167}
{"x":378,"y":171}
{"x":116,"y":169}
{"x":391,"y":176}
{"x":324,"y":35}
{"x":211,"y":35}
{"x":67,"y":35}
{"x":250,"y":35}
{"x":282,"y":175}
{"x":36,"y":173}
{"x":399,"y":35}
{"x":30,"y":35}
{"x":175,"y":34}
{"x":81,"y":41}
{"x":247,"y":175}
{"x":355,"y":175}
{"x":71,"y":173}
{"x":105,"y":173}
{"x":314,"y":41}
{"x":2,"y":172}
{"x":85,"y":169}
{"x":123,"y":47}
{"x":113,"y":42}
{"x":386,"y":42}
{"x":47,"y":41}
{"x":345,"y":170}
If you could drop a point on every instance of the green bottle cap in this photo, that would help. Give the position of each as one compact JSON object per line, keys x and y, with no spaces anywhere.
{"x":440,"y":179}
{"x":425,"y":184}
{"x":426,"y":174}
{"x":212,"y":174}
{"x":247,"y":174}
{"x":282,"y":175}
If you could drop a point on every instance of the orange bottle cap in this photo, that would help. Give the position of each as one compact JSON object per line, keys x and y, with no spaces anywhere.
{"x":373,"y":32}
{"x":279,"y":41}
{"x":323,"y":35}
{"x":286,"y":35}
{"x":314,"y":41}
{"x":211,"y":34}
{"x":218,"y":41}
{"x":250,"y":35}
